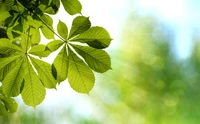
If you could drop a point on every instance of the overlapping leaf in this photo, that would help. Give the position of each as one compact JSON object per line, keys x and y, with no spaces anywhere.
{"x":7,"y":105}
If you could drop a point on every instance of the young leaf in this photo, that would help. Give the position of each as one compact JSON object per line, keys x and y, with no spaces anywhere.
{"x":44,"y":72}
{"x":9,"y":103}
{"x":97,"y":59}
{"x":40,"y":50}
{"x":54,"y":45}
{"x":96,"y":37}
{"x":62,"y":30}
{"x":13,"y":80}
{"x":79,"y":25}
{"x":33,"y":92}
{"x":6,"y":47}
{"x":72,"y":6}
{"x":80,"y":76}
{"x":61,"y":63}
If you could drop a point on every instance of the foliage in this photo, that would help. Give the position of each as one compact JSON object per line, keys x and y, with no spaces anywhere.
{"x":22,"y":71}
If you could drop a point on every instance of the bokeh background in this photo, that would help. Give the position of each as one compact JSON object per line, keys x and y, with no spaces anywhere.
{"x":155,"y":76}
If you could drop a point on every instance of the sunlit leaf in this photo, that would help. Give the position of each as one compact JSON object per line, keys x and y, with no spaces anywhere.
{"x":80,"y":76}
{"x":5,"y":61}
{"x":97,"y":59}
{"x":72,"y":6}
{"x":44,"y":72}
{"x":33,"y":92}
{"x":35,"y":36}
{"x":96,"y":37}
{"x":61,"y":63}
{"x":54,"y":45}
{"x":39,"y":50}
{"x":13,"y":80}
{"x":3,"y":110}
{"x":79,"y":25}
{"x":47,"y":28}
{"x":62,"y":30}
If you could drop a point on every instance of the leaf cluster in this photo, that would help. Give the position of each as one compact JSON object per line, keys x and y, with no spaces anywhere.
{"x":22,"y":70}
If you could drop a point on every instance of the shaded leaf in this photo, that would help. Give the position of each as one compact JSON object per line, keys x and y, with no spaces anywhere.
{"x":9,"y":103}
{"x":3,"y":110}
{"x":96,"y":37}
{"x":79,"y":25}
{"x":6,"y":47}
{"x":44,"y":72}
{"x":72,"y":6}
{"x":97,"y":59}
{"x":61,"y":63}
{"x":80,"y":76}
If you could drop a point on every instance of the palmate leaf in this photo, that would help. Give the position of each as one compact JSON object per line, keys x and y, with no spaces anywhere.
{"x":7,"y":105}
{"x":79,"y":25}
{"x":80,"y":76}
{"x":97,"y":59}
{"x":13,"y":80}
{"x":96,"y":37}
{"x":35,"y":36}
{"x":7,"y":60}
{"x":44,"y":72}
{"x":33,"y":92}
{"x":61,"y":63}
{"x":62,"y":30}
{"x":72,"y":6}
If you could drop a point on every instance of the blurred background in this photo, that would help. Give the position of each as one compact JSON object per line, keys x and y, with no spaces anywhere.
{"x":156,"y":68}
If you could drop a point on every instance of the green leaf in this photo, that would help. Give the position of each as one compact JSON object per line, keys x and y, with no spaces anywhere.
{"x":44,"y":73}
{"x":97,"y":59}
{"x":72,"y":6}
{"x":35,"y":36}
{"x":33,"y":92}
{"x":7,"y":60}
{"x":39,"y":50}
{"x":4,"y":15}
{"x":80,"y":76}
{"x":9,"y":103}
{"x":6,"y":47}
{"x":61,"y":63}
{"x":25,"y":42}
{"x":13,"y":80}
{"x":3,"y":110}
{"x":48,"y":33}
{"x":62,"y":30}
{"x":35,"y":23}
{"x":96,"y":37}
{"x":79,"y":25}
{"x":54,"y":45}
